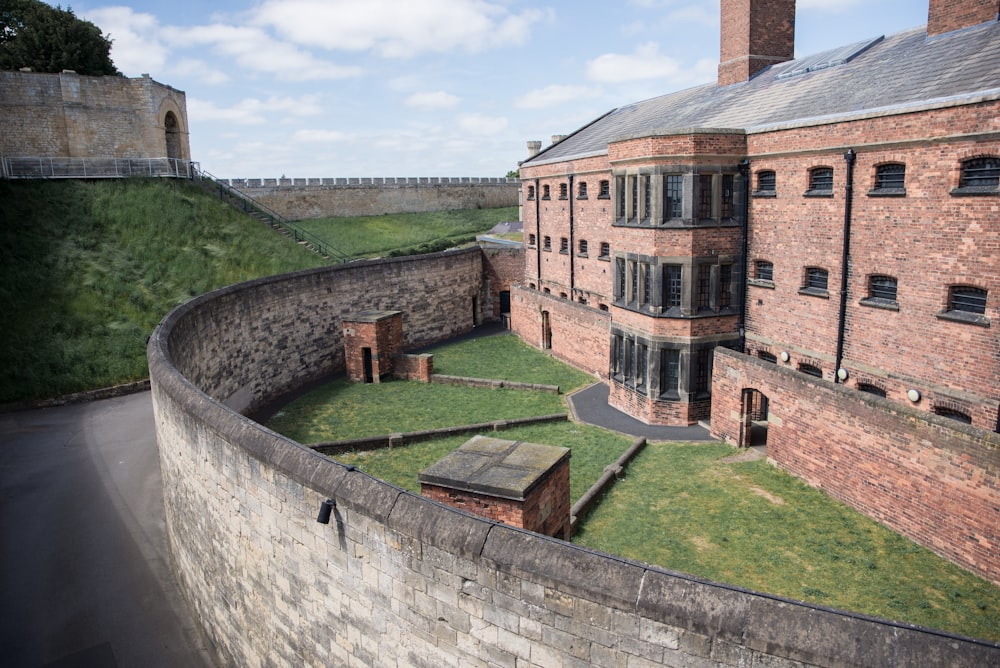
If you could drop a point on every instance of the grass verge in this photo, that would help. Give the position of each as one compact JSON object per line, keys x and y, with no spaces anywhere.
{"x":684,"y":507}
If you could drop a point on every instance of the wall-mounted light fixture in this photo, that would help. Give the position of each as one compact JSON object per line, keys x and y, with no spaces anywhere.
{"x":913,"y":395}
{"x":842,"y":373}
{"x":785,"y":356}
{"x":325,"y":510}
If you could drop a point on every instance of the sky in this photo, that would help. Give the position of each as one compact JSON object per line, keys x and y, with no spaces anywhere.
{"x":383,"y":88}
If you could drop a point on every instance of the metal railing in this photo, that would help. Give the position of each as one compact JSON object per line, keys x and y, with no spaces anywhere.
{"x":95,"y":168}
{"x":270,"y":217}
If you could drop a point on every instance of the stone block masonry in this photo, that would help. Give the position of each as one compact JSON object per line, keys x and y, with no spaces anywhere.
{"x":300,"y":199}
{"x":395,"y":579}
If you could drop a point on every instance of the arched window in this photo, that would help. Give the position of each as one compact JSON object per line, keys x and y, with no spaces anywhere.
{"x":173,"y":135}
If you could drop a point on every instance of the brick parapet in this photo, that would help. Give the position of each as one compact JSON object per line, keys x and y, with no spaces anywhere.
{"x":394,"y":578}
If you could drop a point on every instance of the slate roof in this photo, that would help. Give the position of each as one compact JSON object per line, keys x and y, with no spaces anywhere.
{"x":880,"y":75}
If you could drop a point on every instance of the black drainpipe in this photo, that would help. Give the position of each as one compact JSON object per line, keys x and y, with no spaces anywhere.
{"x":745,"y":232}
{"x":538,"y":234}
{"x":845,"y":258}
{"x":571,"y":254}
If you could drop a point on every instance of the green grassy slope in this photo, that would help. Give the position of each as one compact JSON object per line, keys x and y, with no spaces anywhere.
{"x":87,"y":269}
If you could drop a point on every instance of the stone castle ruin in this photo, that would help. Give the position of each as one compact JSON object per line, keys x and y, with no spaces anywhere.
{"x":91,"y":126}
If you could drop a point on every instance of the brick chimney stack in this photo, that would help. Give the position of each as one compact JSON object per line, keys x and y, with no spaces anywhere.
{"x":947,"y":15}
{"x":755,"y":34}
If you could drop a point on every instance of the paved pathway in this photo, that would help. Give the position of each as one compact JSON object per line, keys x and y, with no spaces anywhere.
{"x":84,"y":576}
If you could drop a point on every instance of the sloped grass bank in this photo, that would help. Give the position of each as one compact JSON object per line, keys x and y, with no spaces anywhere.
{"x":88,"y":268}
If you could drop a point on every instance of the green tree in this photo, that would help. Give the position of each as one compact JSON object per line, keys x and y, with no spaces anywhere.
{"x":51,"y":39}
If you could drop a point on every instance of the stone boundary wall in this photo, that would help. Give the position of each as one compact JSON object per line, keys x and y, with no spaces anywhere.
{"x":442,"y":379}
{"x":932,"y":479}
{"x":301,"y":199}
{"x":395,"y":579}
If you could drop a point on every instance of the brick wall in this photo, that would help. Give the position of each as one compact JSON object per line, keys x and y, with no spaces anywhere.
{"x":68,"y":115}
{"x":927,"y":240}
{"x":947,"y":15}
{"x":580,"y":335}
{"x":396,"y":579}
{"x":301,"y":199}
{"x":929,"y":478}
{"x":504,"y":269}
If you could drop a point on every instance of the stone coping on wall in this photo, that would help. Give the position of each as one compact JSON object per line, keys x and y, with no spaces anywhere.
{"x":371,"y":182}
{"x":709,"y":623}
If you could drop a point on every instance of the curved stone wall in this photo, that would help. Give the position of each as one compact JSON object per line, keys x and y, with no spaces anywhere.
{"x":395,"y":579}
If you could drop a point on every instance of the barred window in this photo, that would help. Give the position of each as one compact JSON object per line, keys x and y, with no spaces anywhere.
{"x":563,"y":190}
{"x":531,"y":192}
{"x":620,"y":182}
{"x":605,"y":249}
{"x":581,"y":190}
{"x":634,"y":209}
{"x":605,"y":190}
{"x":703,"y":371}
{"x":882,"y":288}
{"x":766,"y":181}
{"x":672,"y":285}
{"x":821,"y":180}
{"x":531,"y":239}
{"x":725,"y":285}
{"x":767,"y":357}
{"x":641,"y":358}
{"x":704,"y":297}
{"x":726,"y":208}
{"x":953,"y":414}
{"x":620,"y":276}
{"x":673,"y":193}
{"x":981,"y":173}
{"x":547,"y":243}
{"x":647,"y":194}
{"x":545,"y":192}
{"x":763,"y":270}
{"x":816,"y":278}
{"x":890,"y":176}
{"x":563,"y":245}
{"x":670,"y":372}
{"x":583,"y":246}
{"x":704,"y":196}
{"x":869,"y":388}
{"x":811,"y":370}
{"x":966,"y":298}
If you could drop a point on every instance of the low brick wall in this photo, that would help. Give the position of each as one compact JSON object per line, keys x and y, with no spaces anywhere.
{"x":395,"y":579}
{"x":931,"y":479}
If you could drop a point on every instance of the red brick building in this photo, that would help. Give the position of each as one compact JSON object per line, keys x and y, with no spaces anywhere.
{"x":836,"y":214}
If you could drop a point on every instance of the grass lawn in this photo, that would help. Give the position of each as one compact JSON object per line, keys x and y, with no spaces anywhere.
{"x":679,"y":506}
{"x":592,"y":448}
{"x":406,"y":234}
{"x":683,"y":507}
{"x":344,"y":409}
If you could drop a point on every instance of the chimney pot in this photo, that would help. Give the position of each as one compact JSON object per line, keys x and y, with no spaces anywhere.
{"x":533,"y":148}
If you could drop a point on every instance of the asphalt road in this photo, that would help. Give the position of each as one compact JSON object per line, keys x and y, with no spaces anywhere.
{"x":84,"y":573}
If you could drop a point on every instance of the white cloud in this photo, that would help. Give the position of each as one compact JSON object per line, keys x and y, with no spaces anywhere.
{"x":481,"y":124}
{"x":255,"y":50}
{"x":432,"y":101}
{"x":645,"y":63}
{"x":554,"y":95}
{"x":397,"y":29}
{"x":318,"y":136}
{"x":199,"y":71}
{"x":252,"y":111}
{"x":136,"y":47}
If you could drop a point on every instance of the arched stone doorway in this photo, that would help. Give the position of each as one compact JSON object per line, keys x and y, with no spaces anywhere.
{"x":753,"y":418}
{"x":173,"y":134}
